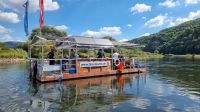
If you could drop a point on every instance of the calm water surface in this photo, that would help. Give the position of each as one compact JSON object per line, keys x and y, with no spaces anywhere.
{"x":169,"y":85}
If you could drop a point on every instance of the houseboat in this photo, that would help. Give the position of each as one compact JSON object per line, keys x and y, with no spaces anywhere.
{"x":66,"y":64}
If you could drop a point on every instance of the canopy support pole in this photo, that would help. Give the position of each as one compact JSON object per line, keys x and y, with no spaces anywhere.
{"x":76,"y":59}
{"x":112,"y":58}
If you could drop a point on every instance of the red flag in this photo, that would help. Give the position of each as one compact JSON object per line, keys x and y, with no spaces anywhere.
{"x":41,"y":3}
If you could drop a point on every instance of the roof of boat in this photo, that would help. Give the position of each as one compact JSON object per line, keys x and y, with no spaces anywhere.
{"x":86,"y":42}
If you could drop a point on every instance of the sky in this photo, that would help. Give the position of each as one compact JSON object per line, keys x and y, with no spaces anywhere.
{"x":121,"y":19}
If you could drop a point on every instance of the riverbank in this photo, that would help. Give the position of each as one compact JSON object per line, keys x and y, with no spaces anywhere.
{"x":11,"y":60}
{"x":187,"y":56}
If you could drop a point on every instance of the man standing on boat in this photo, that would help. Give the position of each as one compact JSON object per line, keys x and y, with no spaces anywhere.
{"x":115,"y":56}
{"x":72,"y":54}
{"x":73,"y":58}
{"x":100,"y":54}
{"x":51,"y":57}
{"x":115,"y":59}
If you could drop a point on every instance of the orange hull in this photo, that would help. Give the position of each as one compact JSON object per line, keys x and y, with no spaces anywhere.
{"x":67,"y":76}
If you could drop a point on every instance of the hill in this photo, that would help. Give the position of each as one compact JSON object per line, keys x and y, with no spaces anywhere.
{"x":3,"y":46}
{"x":181,"y":39}
{"x":13,"y":44}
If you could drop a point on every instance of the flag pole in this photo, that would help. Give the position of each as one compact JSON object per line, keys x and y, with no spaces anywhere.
{"x":41,"y":4}
{"x":26,"y":7}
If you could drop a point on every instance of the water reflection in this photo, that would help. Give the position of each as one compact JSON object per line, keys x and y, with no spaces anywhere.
{"x":169,"y":85}
{"x":94,"y":93}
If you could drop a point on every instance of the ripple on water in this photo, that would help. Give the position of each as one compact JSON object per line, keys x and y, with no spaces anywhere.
{"x":169,"y":86}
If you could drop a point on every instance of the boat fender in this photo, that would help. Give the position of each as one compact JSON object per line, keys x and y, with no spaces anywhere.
{"x":60,"y":78}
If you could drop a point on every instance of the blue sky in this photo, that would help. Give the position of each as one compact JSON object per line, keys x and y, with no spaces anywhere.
{"x":122,"y":19}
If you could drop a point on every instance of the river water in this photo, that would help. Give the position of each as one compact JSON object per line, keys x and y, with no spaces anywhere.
{"x":169,"y":85}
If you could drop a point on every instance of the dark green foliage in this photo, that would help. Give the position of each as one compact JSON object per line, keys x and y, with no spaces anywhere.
{"x":109,"y":38}
{"x":6,"y":52}
{"x":13,"y":53}
{"x":23,"y":46}
{"x":3,"y":46}
{"x":12,"y":44}
{"x":181,"y":39}
{"x":48,"y":31}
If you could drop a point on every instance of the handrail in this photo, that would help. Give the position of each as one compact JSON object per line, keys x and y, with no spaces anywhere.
{"x":49,"y":59}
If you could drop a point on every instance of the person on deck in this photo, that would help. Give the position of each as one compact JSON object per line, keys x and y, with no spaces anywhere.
{"x":51,"y":56}
{"x":121,"y":57}
{"x":72,"y":54}
{"x":73,"y":57}
{"x":116,"y":60}
{"x":115,"y":56}
{"x":100,"y":54}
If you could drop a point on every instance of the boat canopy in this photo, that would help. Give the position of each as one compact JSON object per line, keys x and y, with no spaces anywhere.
{"x":81,"y":42}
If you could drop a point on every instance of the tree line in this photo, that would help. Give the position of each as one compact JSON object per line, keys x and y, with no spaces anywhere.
{"x":181,"y":39}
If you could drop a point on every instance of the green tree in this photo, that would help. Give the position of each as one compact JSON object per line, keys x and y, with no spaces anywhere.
{"x":46,"y":32}
{"x":109,"y":37}
{"x":3,"y":46}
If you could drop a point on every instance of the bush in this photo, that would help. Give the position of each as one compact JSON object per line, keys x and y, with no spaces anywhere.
{"x":13,"y":53}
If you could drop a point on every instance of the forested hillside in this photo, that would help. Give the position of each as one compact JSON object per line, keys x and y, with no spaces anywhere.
{"x":13,"y":44}
{"x":181,"y":39}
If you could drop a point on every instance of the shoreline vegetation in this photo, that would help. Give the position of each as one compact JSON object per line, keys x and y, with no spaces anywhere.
{"x":186,"y":56}
{"x":147,"y":56}
{"x":10,"y":56}
{"x":13,"y":54}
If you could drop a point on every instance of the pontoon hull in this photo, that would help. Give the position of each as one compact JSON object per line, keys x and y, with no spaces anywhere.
{"x":66,"y":76}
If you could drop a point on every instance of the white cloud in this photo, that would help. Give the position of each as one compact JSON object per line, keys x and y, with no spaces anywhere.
{"x":61,"y":27}
{"x":105,"y":31}
{"x":4,"y":30}
{"x":16,"y":5}
{"x":191,"y":16}
{"x":5,"y":38}
{"x":145,"y":34}
{"x":156,"y":21}
{"x":139,"y":8}
{"x":190,"y":2}
{"x":10,"y":17}
{"x":123,"y":40}
{"x":129,"y":25}
{"x":169,"y":3}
